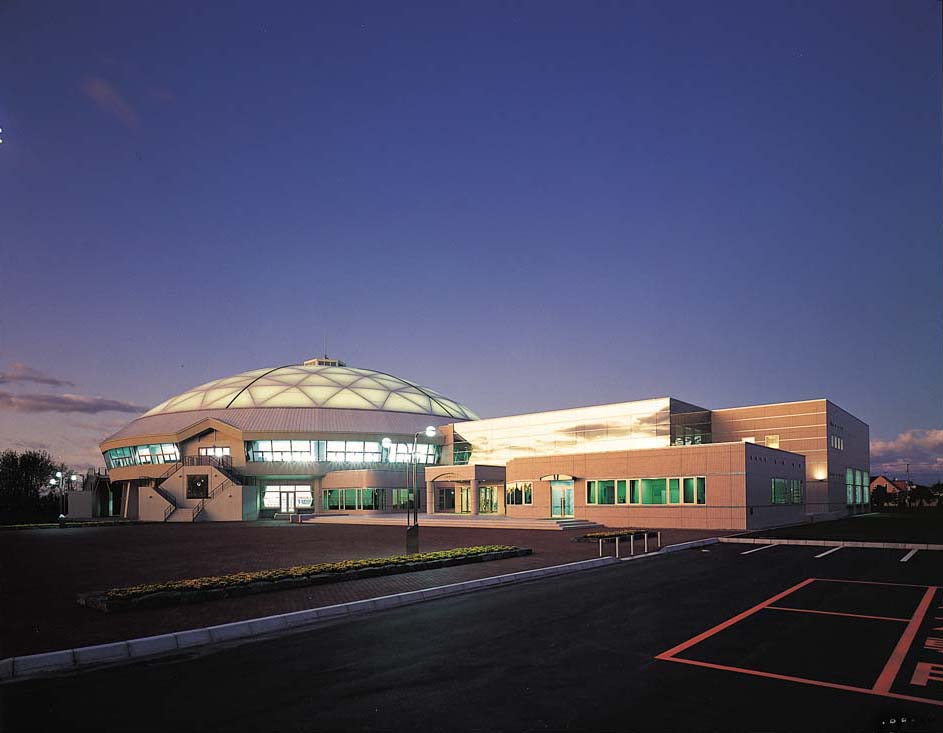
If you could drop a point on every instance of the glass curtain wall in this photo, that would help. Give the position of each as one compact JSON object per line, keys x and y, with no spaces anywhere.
{"x":623,"y":426}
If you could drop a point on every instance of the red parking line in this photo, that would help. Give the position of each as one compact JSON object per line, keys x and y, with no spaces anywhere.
{"x":889,"y":673}
{"x":731,"y":621}
{"x":870,"y":582}
{"x":802,"y":680}
{"x":836,"y":613}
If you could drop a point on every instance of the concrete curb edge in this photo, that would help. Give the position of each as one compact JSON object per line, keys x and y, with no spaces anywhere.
{"x":69,"y":660}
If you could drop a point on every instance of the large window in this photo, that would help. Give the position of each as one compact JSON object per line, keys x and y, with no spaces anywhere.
{"x":674,"y":490}
{"x":857,"y":483}
{"x":338,"y":451}
{"x":518,"y":493}
{"x":287,"y":497}
{"x":353,"y":499}
{"x":786,"y":491}
{"x":141,"y":455}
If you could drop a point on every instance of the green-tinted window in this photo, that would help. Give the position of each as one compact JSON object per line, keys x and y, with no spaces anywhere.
{"x":674,"y":490}
{"x":633,"y":491}
{"x":689,"y":491}
{"x":331,"y":499}
{"x":701,"y":490}
{"x":779,"y":491}
{"x":350,"y":498}
{"x":590,"y":492}
{"x":620,"y":492}
{"x":606,"y":492}
{"x":653,"y":490}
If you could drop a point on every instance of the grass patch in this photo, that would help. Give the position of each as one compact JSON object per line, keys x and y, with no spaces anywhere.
{"x":236,"y":584}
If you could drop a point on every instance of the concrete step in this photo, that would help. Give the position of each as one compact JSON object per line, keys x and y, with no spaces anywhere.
{"x":182,"y":514}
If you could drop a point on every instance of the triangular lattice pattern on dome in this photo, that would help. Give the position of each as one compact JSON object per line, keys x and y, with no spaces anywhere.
{"x":316,"y":386}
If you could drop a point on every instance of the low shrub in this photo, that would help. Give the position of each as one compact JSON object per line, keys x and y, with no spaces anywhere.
{"x":262,"y":580}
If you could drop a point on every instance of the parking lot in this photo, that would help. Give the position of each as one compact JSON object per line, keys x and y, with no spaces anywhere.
{"x":717,"y":638}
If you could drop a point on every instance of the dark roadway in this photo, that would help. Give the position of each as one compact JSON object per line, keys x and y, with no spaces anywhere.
{"x":571,"y":653}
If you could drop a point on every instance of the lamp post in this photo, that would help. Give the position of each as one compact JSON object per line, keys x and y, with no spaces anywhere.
{"x":412,"y":530}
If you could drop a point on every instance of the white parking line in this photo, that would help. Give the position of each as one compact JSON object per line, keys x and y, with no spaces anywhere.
{"x":757,"y":549}
{"x":829,"y":552}
{"x":909,"y":555}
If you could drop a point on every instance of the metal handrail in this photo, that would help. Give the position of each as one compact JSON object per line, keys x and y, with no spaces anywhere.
{"x":218,"y":461}
{"x":212,"y":495}
{"x":174,"y":467}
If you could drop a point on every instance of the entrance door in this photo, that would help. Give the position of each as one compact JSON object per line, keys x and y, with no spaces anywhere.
{"x":561,"y":499}
{"x":288,"y":502}
{"x":464,"y":499}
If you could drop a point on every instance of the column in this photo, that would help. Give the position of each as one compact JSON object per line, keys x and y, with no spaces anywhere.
{"x":430,"y":497}
{"x":473,"y":496}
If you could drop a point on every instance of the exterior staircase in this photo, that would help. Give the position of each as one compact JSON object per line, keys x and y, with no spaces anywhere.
{"x":190,"y":510}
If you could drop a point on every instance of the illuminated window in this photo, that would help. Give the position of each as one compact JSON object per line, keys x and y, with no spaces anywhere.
{"x":338,"y":451}
{"x":674,"y":491}
{"x":653,"y":490}
{"x":217,"y":451}
{"x":620,"y":492}
{"x":517,"y":493}
{"x":142,"y":455}
{"x":837,"y":442}
{"x":850,"y":486}
{"x":786,"y":491}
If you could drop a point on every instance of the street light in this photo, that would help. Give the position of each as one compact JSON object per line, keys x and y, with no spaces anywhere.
{"x":412,"y":531}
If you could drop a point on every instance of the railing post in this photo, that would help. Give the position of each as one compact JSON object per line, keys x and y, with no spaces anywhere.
{"x":600,"y":548}
{"x":632,"y":545}
{"x":646,"y":540}
{"x":617,"y":547}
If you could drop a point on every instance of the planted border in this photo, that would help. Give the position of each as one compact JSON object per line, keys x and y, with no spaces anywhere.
{"x":195,"y":590}
{"x":613,"y":533}
{"x":70,"y":524}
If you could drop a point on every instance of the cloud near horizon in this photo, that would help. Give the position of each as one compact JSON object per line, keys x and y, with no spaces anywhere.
{"x":110,"y":101}
{"x":64,"y":403}
{"x":20,"y":372}
{"x":921,"y":448}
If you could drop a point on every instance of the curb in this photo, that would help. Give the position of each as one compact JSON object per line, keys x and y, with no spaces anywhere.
{"x":672,"y":548}
{"x":832,"y":543}
{"x":69,"y":660}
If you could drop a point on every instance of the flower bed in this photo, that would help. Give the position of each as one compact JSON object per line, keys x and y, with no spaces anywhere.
{"x":194,"y":590}
{"x":70,"y":524}
{"x":613,"y":533}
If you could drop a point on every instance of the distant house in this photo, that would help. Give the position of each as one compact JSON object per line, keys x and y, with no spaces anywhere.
{"x":891,"y":487}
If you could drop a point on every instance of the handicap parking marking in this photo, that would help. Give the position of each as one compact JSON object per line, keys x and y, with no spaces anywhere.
{"x":926,"y":671}
{"x":909,"y":555}
{"x":757,"y":549}
{"x":828,"y":552}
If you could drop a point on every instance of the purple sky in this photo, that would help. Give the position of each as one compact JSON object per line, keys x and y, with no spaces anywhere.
{"x":523,"y":205}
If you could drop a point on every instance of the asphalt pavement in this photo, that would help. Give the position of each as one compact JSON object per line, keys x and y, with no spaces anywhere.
{"x":571,"y":653}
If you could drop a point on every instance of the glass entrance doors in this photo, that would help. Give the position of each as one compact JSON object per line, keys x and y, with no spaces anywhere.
{"x":464,"y":499}
{"x":487,"y":499}
{"x":561,"y":499}
{"x":287,"y":502}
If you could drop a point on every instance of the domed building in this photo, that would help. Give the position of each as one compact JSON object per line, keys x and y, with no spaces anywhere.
{"x":317,"y":436}
{"x":324,"y":439}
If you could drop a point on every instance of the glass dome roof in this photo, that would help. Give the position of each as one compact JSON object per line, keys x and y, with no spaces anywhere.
{"x":331,"y":386}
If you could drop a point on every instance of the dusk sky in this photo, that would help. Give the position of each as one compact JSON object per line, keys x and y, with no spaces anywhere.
{"x":525,"y":206}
